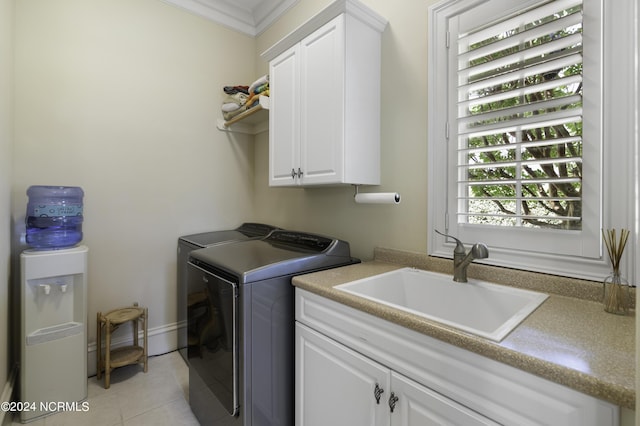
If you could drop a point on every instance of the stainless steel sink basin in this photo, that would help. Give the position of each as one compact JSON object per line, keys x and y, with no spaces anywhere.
{"x":484,"y":309}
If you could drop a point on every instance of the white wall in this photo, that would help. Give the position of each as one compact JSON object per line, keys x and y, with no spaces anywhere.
{"x":6,"y":143}
{"x":121,"y":98}
{"x":404,"y":148}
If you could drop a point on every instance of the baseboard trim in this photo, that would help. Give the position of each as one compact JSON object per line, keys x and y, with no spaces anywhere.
{"x":160,"y":339}
{"x":7,"y":395}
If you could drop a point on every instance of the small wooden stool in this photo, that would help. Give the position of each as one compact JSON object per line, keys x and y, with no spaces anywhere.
{"x":126,"y":355}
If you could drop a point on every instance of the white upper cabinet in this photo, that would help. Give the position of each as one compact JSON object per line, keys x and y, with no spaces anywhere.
{"x":324,"y":119}
{"x":284,"y":149}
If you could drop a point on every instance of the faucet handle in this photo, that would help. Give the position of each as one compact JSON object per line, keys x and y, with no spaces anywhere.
{"x":480,"y":251}
{"x":459,"y":246}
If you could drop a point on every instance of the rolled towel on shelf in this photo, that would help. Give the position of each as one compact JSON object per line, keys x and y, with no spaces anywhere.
{"x":230,"y":90}
{"x":259,"y":82}
{"x":237,"y":98}
{"x":230,"y":107}
{"x":261,"y":89}
{"x":233,"y":105}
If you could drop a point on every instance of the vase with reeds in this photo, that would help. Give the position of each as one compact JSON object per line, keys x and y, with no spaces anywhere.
{"x":616,"y":297}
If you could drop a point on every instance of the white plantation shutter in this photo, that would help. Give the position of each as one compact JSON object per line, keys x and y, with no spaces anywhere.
{"x":532,"y":117}
{"x":519,"y":122}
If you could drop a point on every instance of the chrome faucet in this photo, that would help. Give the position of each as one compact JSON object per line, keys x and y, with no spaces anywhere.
{"x":462,"y":259}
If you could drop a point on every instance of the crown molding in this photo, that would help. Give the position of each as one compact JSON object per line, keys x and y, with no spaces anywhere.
{"x":250,"y":17}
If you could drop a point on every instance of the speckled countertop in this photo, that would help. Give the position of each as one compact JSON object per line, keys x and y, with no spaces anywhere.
{"x":568,"y":340}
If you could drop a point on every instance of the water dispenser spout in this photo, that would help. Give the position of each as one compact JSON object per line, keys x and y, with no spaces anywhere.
{"x":46,"y":288}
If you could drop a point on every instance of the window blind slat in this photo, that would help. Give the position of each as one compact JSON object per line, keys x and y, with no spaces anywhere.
{"x":526,"y":108}
{"x":523,"y":91}
{"x":522,"y":73}
{"x":520,"y":144}
{"x":520,"y":56}
{"x":515,"y":181}
{"x":521,"y":216}
{"x":550,"y":119}
{"x":538,"y":13}
{"x":528,"y":163}
{"x":521,"y":38}
{"x":520,"y":198}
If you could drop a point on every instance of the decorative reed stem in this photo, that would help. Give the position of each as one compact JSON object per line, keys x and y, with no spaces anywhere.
{"x":616,"y":298}
{"x":615,"y":247}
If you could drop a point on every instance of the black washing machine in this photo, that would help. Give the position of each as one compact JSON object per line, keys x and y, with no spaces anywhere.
{"x":186,"y":244}
{"x":242,"y":349}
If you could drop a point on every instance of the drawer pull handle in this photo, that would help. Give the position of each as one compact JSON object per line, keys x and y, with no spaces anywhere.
{"x":377,"y":392}
{"x":393,"y":399}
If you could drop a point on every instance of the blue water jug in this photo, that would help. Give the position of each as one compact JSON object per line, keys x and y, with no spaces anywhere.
{"x":54,"y":216}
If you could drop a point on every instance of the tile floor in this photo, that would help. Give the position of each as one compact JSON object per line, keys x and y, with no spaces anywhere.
{"x":156,"y":398}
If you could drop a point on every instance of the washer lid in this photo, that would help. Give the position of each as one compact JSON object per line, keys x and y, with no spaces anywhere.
{"x":252,"y":229}
{"x":281,"y":253}
{"x":244,"y":232}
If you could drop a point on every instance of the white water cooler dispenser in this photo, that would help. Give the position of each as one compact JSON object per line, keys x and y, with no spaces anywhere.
{"x":53,"y":369}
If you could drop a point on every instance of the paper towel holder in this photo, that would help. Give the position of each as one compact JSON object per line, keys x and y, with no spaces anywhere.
{"x":375,"y":197}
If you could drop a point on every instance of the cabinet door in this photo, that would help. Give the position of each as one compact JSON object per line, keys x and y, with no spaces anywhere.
{"x":335,"y":385}
{"x":322,"y":82}
{"x":417,"y":405}
{"x":284,"y":118}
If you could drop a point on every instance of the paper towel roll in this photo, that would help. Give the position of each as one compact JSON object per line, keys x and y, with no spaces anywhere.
{"x":378,"y":198}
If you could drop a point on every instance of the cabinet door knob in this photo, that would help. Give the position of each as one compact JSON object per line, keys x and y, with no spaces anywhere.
{"x":293,"y":173}
{"x":300,"y":173}
{"x":377,"y":392}
{"x":392,"y":401}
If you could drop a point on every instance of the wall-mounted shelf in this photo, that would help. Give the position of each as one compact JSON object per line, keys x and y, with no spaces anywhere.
{"x":252,"y":121}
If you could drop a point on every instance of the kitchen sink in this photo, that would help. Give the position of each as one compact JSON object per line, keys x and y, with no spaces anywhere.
{"x":481,"y":308}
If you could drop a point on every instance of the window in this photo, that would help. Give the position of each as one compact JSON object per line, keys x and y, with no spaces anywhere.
{"x":520,"y":120}
{"x":522,"y":128}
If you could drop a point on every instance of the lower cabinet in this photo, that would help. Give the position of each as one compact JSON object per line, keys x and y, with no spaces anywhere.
{"x":335,"y":385}
{"x":356,"y":369}
{"x":417,"y":405}
{"x":338,"y":386}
